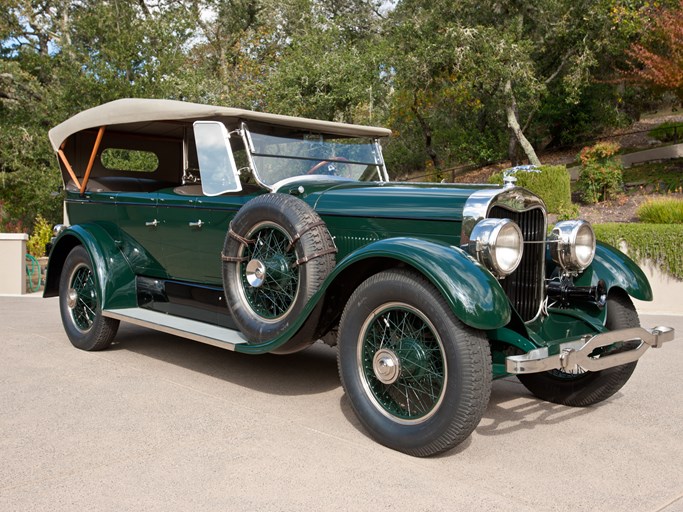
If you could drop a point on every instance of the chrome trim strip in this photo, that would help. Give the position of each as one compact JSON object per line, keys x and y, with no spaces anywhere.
{"x":214,"y":335}
{"x":574,"y":355}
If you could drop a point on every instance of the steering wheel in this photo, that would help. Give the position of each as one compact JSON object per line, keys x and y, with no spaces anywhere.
{"x":320,"y":164}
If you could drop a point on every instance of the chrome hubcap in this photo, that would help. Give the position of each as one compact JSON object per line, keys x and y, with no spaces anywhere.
{"x":387,"y":366}
{"x":71,"y":298}
{"x":256,"y":273}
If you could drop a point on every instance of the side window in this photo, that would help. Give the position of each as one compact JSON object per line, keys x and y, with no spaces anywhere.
{"x":115,"y":159}
{"x":216,"y":161}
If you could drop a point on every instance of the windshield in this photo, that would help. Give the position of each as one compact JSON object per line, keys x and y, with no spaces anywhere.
{"x":278,"y":157}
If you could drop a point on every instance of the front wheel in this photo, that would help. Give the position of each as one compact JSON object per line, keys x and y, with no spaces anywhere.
{"x":582,"y":388}
{"x":79,"y":304}
{"x":417,"y":378}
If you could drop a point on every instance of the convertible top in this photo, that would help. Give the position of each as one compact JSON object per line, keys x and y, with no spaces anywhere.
{"x":148,"y":116}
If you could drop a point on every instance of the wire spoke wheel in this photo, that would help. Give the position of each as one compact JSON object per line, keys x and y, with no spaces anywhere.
{"x":403,"y":363}
{"x":82,"y":298}
{"x":269,"y":274}
{"x":276,"y":256}
{"x":417,"y":378}
{"x":80,"y":306}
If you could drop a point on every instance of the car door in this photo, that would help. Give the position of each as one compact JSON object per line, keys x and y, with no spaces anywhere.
{"x":183,"y":233}
{"x":141,"y":231}
{"x":194,"y":229}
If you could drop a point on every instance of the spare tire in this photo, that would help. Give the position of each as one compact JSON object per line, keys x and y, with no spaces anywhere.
{"x":276,"y":255}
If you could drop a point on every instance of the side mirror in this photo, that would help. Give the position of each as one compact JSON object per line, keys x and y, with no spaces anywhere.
{"x":216,"y":161}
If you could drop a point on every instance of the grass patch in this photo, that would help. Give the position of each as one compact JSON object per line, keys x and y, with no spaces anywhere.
{"x":661,"y":211}
{"x":663,"y":176}
{"x":661,"y":244}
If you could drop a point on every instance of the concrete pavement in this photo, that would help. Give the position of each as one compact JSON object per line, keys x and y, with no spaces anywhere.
{"x":161,"y":423}
{"x":648,"y":155}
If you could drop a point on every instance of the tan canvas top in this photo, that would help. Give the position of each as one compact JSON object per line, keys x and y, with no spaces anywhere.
{"x":137,"y":112}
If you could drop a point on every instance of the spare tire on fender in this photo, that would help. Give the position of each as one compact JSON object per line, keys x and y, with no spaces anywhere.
{"x":276,"y":255}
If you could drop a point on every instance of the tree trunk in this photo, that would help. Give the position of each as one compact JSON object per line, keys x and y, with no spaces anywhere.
{"x":427,"y":132}
{"x":512,"y":149}
{"x":513,"y":124}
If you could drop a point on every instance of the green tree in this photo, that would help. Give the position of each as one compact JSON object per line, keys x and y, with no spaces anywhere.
{"x":28,"y":177}
{"x":60,"y":57}
{"x":331,"y":70}
{"x":512,"y":58}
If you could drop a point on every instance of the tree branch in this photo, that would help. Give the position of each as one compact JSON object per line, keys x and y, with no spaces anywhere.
{"x":144,"y":8}
{"x":563,"y":61}
{"x":513,"y":124}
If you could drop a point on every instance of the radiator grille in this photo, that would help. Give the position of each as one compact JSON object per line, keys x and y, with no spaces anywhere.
{"x":525,"y":286}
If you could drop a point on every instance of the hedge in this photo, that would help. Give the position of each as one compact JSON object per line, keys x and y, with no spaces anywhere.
{"x":662,"y":244}
{"x":551,"y":185}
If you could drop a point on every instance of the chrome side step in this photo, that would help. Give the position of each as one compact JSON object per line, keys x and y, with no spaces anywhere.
{"x":192,"y":329}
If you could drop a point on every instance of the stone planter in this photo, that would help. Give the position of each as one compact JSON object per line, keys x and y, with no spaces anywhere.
{"x":12,"y":263}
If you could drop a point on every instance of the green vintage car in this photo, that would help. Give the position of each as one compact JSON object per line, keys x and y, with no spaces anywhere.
{"x":264,"y":233}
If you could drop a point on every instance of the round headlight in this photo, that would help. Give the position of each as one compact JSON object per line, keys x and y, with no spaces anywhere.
{"x":497,"y":244}
{"x":572,"y":245}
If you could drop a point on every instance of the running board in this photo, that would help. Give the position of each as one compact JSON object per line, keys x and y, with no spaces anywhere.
{"x":184,"y":327}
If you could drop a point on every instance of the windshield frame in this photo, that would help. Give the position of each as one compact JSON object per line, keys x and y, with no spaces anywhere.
{"x":246,"y":135}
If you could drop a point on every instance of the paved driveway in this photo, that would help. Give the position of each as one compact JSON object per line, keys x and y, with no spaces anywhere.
{"x":160,"y":423}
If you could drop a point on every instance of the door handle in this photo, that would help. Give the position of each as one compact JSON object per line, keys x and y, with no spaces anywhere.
{"x":197,"y":224}
{"x":152,"y":224}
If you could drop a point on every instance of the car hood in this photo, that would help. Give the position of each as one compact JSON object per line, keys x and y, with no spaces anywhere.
{"x":422,"y":201}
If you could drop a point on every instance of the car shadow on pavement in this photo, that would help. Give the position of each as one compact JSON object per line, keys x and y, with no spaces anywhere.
{"x":512,"y":408}
{"x":309,"y":372}
{"x":347,"y":410}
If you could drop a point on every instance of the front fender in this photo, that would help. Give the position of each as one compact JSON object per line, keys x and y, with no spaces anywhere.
{"x":114,"y":276}
{"x":472,"y":293}
{"x":618,"y":271}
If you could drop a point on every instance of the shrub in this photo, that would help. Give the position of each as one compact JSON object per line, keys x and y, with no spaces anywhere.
{"x":661,"y":244}
{"x":42,"y":232}
{"x":667,"y":132}
{"x":661,"y":211}
{"x":551,"y":184}
{"x":601,"y":176}
{"x":568,"y":212}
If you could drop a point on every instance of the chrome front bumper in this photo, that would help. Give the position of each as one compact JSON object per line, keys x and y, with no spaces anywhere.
{"x":574,"y":356}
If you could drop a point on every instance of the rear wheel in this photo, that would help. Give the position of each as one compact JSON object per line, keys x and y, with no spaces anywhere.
{"x":80,"y":306}
{"x":417,"y":378}
{"x":581,"y":389}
